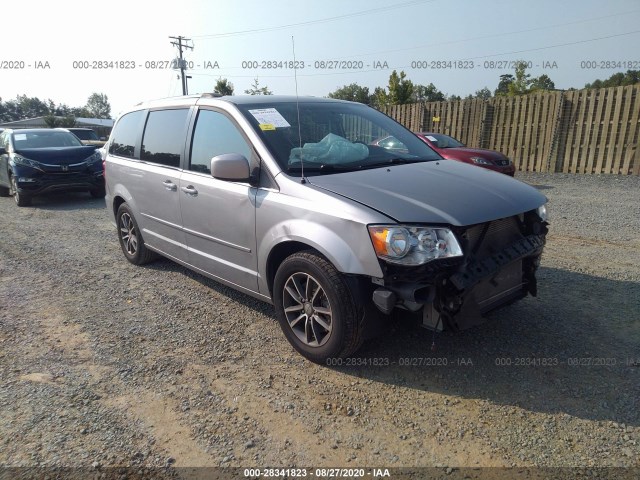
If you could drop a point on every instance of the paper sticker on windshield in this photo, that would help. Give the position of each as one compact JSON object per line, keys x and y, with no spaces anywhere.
{"x":433,"y":139}
{"x":267,"y":126}
{"x":20,"y":136}
{"x":269,"y":116}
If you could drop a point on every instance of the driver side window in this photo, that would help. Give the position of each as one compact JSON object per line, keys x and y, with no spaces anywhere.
{"x":215,"y":134}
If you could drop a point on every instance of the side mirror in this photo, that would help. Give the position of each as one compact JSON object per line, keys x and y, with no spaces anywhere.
{"x":230,"y":166}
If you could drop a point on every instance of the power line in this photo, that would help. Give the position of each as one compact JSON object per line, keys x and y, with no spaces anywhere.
{"x":554,"y":46}
{"x":493,"y":35}
{"x":313,"y":22}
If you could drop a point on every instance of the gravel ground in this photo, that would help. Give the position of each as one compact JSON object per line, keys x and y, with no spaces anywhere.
{"x":104,"y":364}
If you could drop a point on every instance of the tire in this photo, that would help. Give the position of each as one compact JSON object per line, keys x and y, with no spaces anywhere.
{"x":21,"y":199}
{"x":315,"y":308}
{"x":130,"y":237}
{"x":98,"y":192}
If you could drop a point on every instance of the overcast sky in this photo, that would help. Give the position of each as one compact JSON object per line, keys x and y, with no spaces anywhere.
{"x":48,"y":45}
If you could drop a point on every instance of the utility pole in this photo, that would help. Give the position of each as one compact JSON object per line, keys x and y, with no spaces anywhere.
{"x":179,"y":43}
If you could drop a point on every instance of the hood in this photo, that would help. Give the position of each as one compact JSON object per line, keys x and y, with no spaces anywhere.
{"x":58,"y":155}
{"x":472,"y":152}
{"x":435,"y":192}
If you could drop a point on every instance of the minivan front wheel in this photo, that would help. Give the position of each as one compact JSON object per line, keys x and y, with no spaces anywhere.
{"x":315,"y":308}
{"x":130,"y":239}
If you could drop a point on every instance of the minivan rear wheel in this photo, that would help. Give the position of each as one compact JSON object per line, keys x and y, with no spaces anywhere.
{"x":315,"y":308}
{"x":130,"y":238}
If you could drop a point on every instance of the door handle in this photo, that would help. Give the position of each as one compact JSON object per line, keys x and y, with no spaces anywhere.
{"x":169,"y":185}
{"x":190,"y":190}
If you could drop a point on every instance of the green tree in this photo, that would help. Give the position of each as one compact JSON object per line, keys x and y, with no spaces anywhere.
{"x":400,"y":88}
{"x":454,"y":98}
{"x":522,"y":82}
{"x":630,"y":77}
{"x":256,"y":89}
{"x":223,"y":87}
{"x":98,"y":106}
{"x":543,"y":82}
{"x":503,"y":86}
{"x":427,"y":93}
{"x":23,"y":107}
{"x":51,"y":121}
{"x":68,"y":122}
{"x":380,"y":98}
{"x":353,"y":93}
{"x":483,"y":93}
{"x":82,"y":112}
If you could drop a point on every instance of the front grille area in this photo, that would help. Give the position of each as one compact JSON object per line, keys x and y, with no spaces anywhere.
{"x":486,"y":239}
{"x":59,"y":169}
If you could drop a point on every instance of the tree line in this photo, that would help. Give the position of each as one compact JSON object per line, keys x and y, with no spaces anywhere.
{"x":55,"y":115}
{"x":401,"y":90}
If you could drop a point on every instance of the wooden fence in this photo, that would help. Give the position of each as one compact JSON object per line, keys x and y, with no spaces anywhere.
{"x":581,"y":131}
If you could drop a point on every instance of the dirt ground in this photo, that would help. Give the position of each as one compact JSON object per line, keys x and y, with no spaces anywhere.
{"x":155,"y":369}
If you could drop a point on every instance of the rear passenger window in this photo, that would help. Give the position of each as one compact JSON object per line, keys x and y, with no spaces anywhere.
{"x":163,"y":139}
{"x":125,"y":134}
{"x":215,"y":134}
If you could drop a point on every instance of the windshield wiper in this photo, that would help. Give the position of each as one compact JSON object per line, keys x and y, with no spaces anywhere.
{"x":324,"y":168}
{"x":393,"y":161}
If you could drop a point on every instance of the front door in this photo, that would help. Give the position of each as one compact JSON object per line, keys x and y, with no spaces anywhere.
{"x":218,"y":216}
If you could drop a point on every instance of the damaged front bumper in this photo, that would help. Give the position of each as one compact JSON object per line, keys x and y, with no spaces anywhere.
{"x":456,"y":293}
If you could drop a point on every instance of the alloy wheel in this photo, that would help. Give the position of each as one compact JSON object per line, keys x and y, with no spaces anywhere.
{"x":128,"y":234}
{"x":307,"y":309}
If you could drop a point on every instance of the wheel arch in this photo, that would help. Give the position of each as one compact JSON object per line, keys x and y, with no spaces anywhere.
{"x":117,"y":201}
{"x":336,"y":249}
{"x":279,"y":253}
{"x":120,"y":194}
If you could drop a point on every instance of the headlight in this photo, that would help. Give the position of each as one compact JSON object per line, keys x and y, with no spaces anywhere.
{"x":94,"y":158}
{"x":480,"y":161}
{"x":542,"y":213}
{"x":26,"y":162}
{"x":409,"y":245}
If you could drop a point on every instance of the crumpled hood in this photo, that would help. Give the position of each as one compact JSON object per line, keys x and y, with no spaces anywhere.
{"x":435,"y":192}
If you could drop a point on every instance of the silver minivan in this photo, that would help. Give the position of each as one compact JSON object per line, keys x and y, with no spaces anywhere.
{"x":292,"y":201}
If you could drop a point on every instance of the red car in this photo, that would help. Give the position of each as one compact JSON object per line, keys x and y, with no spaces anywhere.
{"x":451,"y":149}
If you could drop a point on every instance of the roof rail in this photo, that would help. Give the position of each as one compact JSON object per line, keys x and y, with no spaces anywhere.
{"x":211,"y":95}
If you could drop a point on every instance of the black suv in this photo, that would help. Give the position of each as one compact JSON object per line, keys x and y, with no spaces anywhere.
{"x":40,"y":160}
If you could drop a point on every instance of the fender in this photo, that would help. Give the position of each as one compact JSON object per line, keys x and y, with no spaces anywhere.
{"x":336,"y":247}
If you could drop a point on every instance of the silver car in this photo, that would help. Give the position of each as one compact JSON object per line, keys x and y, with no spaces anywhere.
{"x":291,"y":201}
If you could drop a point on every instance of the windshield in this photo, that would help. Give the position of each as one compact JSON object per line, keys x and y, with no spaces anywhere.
{"x":333,"y":136}
{"x":44,"y":139}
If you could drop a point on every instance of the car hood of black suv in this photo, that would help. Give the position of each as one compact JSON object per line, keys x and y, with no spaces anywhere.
{"x":441,"y":192}
{"x":58,"y":155}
